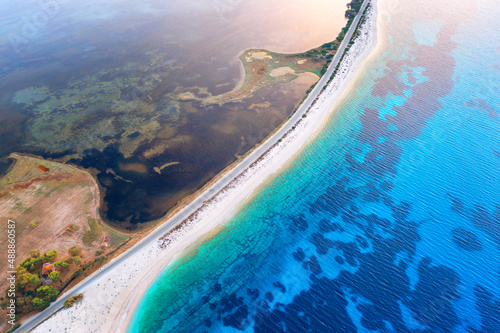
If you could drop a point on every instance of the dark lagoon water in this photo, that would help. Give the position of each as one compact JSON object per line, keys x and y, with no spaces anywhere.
{"x":97,"y":83}
{"x":389,"y":221}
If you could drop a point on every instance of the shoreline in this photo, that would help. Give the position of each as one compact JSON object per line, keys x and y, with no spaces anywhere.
{"x":111,"y":300}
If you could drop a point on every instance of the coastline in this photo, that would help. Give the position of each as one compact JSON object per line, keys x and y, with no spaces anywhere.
{"x":110,"y":301}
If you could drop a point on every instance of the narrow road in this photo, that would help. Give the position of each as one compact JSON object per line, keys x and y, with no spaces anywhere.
{"x":198,"y":202}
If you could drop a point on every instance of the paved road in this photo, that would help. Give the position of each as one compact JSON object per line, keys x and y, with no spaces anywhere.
{"x":188,"y":210}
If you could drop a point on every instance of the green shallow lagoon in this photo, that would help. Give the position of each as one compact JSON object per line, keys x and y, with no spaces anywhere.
{"x":98,"y":85}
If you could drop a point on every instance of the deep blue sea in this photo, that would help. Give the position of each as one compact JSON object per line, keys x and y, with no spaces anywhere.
{"x":389,"y":221}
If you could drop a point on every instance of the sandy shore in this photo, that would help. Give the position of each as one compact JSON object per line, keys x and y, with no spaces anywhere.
{"x":110,"y":301}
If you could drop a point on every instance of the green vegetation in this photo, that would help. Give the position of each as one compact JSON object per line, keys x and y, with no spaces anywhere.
{"x":51,"y":254}
{"x":75,"y":261}
{"x":45,"y":295}
{"x":116,"y":237}
{"x":72,"y":300}
{"x":101,"y":259}
{"x":74,"y":227}
{"x":55,"y":276}
{"x":22,"y":278}
{"x":34,"y":281}
{"x":91,"y":236}
{"x":75,"y":251}
{"x":35,"y":253}
{"x":13,"y":328}
{"x":34,"y":224}
{"x":63,"y":264}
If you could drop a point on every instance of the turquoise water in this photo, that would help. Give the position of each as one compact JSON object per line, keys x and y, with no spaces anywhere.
{"x":389,"y":221}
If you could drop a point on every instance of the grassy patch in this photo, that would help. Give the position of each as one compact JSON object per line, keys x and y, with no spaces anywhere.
{"x":91,"y":236}
{"x":116,"y":237}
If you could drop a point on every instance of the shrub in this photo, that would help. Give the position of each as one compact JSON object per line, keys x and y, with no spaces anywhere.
{"x":75,"y":261}
{"x":51,"y":254}
{"x":101,"y":259}
{"x":75,"y":251}
{"x":72,"y":300}
{"x":35,"y":253}
{"x":34,"y":224}
{"x":78,"y":273}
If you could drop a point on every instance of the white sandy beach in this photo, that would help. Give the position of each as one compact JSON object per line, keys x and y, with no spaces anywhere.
{"x":110,"y":301}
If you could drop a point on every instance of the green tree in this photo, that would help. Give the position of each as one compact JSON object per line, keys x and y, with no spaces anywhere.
{"x":55,"y":276}
{"x":75,"y":251}
{"x":26,"y":263}
{"x":63,"y":264}
{"x":34,"y":281}
{"x":40,"y":303}
{"x":75,"y":261}
{"x":101,"y":259}
{"x":24,"y":304}
{"x":35,"y":253}
{"x":78,"y":273}
{"x":48,"y":292}
{"x":38,"y":261}
{"x":51,"y":254}
{"x":22,"y":277}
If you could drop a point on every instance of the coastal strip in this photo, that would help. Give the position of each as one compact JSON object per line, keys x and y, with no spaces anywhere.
{"x":112,"y":294}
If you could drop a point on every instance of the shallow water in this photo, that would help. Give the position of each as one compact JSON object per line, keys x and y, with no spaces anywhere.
{"x":389,"y":221}
{"x":96,"y":83}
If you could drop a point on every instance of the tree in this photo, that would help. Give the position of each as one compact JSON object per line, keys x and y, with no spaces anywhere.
{"x":26,"y":263}
{"x":63,"y":264}
{"x":48,"y":292}
{"x":51,"y":254}
{"x":22,"y":277}
{"x":39,"y":260}
{"x":101,"y":259}
{"x":75,"y":261}
{"x":75,"y":251}
{"x":24,"y":304}
{"x":35,"y":253}
{"x":40,"y":303}
{"x":34,"y":281}
{"x":78,"y":273}
{"x":55,"y":276}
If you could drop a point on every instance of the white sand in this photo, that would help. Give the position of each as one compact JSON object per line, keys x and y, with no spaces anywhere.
{"x":109,"y":302}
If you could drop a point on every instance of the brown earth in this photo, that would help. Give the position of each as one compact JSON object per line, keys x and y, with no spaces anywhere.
{"x":53,"y":206}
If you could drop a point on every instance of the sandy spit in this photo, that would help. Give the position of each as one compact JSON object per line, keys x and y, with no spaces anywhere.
{"x":110,"y":302}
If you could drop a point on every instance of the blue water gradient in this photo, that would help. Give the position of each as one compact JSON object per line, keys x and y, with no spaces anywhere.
{"x":388,"y":222}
